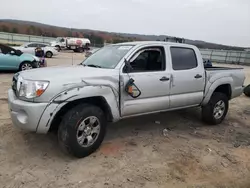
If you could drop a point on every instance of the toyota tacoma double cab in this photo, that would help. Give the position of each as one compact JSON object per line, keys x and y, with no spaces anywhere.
{"x":116,"y":82}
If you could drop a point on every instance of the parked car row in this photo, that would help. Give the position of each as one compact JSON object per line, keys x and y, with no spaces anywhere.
{"x":30,"y":48}
{"x":24,"y":57}
{"x":16,"y":60}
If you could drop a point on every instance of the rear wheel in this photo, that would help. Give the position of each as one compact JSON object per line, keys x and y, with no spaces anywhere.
{"x":49,"y":54}
{"x":82,"y":130}
{"x":80,"y":50}
{"x":58,"y":48}
{"x":87,"y":46}
{"x":25,"y":66}
{"x":216,"y":110}
{"x":247,"y":90}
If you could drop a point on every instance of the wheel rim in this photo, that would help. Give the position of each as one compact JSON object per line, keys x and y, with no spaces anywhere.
{"x":49,"y":54}
{"x":219,"y":109}
{"x":26,"y":66}
{"x":88,"y":131}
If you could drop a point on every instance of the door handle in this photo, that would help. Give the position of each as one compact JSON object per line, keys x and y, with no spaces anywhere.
{"x":198,"y":76}
{"x":164,"y":78}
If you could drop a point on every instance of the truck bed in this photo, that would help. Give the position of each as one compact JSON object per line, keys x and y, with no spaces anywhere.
{"x":235,"y":78}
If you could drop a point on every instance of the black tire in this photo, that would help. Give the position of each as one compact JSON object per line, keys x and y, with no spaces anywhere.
{"x":208,"y":114}
{"x":58,"y":48}
{"x":80,"y":50}
{"x":87,"y":46}
{"x":247,"y":90}
{"x":75,"y":50}
{"x":68,"y":130}
{"x":26,"y":64}
{"x":49,"y":54}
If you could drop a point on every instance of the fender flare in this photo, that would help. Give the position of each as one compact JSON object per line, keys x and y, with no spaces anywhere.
{"x":76,"y":93}
{"x":211,"y":87}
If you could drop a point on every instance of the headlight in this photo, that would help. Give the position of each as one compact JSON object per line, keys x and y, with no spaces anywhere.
{"x":31,"y":89}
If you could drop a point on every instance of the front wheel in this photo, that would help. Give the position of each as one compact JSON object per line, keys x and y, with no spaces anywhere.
{"x":82,"y":130}
{"x":80,"y":50}
{"x":49,"y":54}
{"x":25,"y":66}
{"x":216,"y":110}
{"x":247,"y":90}
{"x":58,"y":48}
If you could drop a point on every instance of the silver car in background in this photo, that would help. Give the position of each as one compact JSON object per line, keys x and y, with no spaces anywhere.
{"x":49,"y":51}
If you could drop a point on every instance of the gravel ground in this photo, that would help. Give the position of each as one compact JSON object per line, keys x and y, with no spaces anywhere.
{"x":135,"y":152}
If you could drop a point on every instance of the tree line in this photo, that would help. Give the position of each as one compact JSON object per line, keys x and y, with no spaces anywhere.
{"x":32,"y":30}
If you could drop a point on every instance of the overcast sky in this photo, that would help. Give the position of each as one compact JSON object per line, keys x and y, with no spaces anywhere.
{"x":220,"y":21}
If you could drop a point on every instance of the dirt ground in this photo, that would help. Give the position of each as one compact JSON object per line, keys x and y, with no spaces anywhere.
{"x":135,"y":152}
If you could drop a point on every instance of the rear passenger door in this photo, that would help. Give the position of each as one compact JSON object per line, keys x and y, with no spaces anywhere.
{"x":187,"y":78}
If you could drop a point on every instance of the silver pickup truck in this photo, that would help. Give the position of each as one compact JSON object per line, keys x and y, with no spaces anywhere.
{"x":119,"y":81}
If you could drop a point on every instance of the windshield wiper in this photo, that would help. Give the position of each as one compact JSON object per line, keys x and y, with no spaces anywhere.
{"x":92,"y":65}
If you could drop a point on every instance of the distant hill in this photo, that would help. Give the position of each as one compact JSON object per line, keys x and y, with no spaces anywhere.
{"x":97,"y":37}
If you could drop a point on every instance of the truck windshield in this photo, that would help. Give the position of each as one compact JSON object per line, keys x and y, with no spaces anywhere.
{"x":107,"y":57}
{"x":58,"y":39}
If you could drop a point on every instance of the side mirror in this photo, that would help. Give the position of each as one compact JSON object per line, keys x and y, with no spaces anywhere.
{"x":132,"y":89}
{"x":12,"y":52}
{"x":25,"y":46}
{"x":18,"y":52}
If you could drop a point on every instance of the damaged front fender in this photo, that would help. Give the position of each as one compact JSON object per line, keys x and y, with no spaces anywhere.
{"x":76,"y":93}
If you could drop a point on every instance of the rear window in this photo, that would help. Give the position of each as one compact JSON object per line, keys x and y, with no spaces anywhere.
{"x":183,"y":58}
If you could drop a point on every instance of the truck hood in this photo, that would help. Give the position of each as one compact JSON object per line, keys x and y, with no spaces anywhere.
{"x":66,"y":73}
{"x":64,"y":78}
{"x":54,"y":43}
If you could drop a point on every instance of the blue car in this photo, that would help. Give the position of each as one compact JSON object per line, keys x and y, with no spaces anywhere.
{"x":15,"y":60}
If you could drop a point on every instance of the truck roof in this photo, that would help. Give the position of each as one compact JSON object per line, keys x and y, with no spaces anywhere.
{"x":154,"y":43}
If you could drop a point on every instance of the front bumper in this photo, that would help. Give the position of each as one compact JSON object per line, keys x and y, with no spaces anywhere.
{"x":55,"y":53}
{"x":35,"y":64}
{"x":42,"y":63}
{"x":25,"y":115}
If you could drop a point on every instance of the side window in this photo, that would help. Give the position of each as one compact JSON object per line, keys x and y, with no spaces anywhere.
{"x":32,"y":45}
{"x":183,"y":58}
{"x":40,"y":45}
{"x":146,"y":60}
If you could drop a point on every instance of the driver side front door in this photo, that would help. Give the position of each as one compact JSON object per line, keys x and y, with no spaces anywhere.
{"x":153,"y":80}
